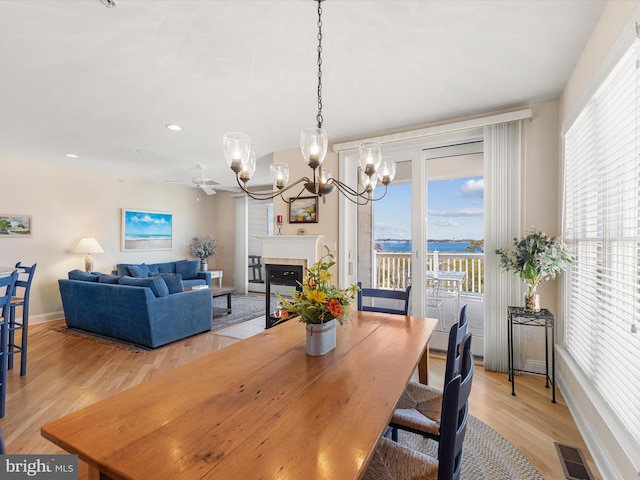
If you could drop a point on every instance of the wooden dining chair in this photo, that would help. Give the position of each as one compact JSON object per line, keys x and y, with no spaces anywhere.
{"x":394,"y":461}
{"x":389,"y":301}
{"x":7,"y":284}
{"x":20,"y":298}
{"x":420,"y":407}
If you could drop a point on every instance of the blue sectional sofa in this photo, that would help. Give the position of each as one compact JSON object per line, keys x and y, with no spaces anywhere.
{"x":187,"y":269}
{"x":151,"y":311}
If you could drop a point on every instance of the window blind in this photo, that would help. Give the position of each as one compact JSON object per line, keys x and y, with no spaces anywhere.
{"x":602,"y":225}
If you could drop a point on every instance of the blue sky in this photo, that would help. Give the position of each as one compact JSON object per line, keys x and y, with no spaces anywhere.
{"x":147,"y":223}
{"x":455,"y":210}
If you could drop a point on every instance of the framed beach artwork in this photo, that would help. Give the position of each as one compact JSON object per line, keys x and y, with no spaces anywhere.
{"x":304,"y":210}
{"x":15,"y":226}
{"x":144,"y":230}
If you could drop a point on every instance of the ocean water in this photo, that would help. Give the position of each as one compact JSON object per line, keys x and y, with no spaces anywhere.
{"x":405,"y":246}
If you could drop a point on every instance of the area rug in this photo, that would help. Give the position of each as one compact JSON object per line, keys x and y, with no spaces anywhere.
{"x":96,"y":337}
{"x":487,"y":455}
{"x":243,"y":308}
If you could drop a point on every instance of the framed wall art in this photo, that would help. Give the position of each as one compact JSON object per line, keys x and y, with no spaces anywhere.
{"x":15,"y":225}
{"x":304,"y":210}
{"x":144,"y":230}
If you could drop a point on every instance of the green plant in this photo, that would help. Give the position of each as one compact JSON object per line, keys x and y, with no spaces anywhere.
{"x":319,"y":301}
{"x":535,"y":257}
{"x":203,"y":246}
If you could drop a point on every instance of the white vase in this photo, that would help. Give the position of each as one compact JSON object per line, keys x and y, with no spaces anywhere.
{"x":321,"y":338}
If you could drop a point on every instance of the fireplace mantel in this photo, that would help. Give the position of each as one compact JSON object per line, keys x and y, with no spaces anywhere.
{"x":302,"y":250}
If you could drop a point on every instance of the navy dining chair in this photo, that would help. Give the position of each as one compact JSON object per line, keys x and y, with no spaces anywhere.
{"x":7,"y":284}
{"x":20,"y":298}
{"x":383,"y":301}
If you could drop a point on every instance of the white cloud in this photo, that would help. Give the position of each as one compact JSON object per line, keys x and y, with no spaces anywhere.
{"x":473,"y":188}
{"x":446,"y":222}
{"x":461,"y":212}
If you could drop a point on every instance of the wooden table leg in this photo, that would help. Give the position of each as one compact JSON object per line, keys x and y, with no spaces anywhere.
{"x":423,"y":367}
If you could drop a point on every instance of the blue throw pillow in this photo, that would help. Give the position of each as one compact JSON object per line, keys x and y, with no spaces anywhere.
{"x":83,"y":276}
{"x":173,"y":281}
{"x":167,"y":267}
{"x":157,"y":285}
{"x":139,"y":270}
{"x":187,"y":268}
{"x":108,"y":278}
{"x":153,"y":268}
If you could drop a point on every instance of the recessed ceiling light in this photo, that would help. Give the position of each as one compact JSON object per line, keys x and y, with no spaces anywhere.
{"x":71,"y":155}
{"x":173,"y":127}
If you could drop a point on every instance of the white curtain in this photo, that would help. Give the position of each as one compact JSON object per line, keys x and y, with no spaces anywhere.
{"x":502,"y":223}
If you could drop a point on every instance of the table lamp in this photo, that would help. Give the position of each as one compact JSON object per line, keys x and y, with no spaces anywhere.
{"x":88,"y":245}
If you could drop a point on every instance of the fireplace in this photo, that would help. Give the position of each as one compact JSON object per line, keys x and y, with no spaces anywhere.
{"x":285,"y":258}
{"x":289,"y":275}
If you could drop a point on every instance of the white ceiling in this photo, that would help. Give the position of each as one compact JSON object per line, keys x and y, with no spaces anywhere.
{"x":77,"y":77}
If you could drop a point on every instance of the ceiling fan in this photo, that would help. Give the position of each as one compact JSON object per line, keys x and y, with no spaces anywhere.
{"x":205,"y":184}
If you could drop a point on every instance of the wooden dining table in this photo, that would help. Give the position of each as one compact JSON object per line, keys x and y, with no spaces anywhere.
{"x":258,"y":409}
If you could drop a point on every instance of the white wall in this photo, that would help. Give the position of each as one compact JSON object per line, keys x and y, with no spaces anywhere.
{"x":69,"y":203}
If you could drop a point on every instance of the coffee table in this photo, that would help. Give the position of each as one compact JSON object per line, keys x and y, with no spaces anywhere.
{"x":217,"y":292}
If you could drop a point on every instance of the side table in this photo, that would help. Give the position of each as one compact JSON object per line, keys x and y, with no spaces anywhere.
{"x":217,"y":274}
{"x":543,"y":318}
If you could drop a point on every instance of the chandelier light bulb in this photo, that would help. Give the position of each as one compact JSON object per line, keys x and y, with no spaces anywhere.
{"x":313,"y":144}
{"x":386,"y":172}
{"x":369,"y":182}
{"x":325,"y":176}
{"x":248,"y":168}
{"x":279,"y":174}
{"x":237,"y":148}
{"x":370,"y":157}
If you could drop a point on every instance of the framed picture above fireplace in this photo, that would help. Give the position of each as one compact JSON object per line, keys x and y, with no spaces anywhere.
{"x":304,"y":210}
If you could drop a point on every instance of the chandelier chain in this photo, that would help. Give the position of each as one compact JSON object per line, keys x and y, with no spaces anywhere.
{"x":313,"y":143}
{"x":319,"y":118}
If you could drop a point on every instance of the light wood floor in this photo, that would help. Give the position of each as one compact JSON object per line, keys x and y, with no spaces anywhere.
{"x":67,"y":372}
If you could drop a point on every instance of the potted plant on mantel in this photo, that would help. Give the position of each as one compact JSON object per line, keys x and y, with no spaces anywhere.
{"x":535,"y":257}
{"x":319,"y":305}
{"x":203,"y":247}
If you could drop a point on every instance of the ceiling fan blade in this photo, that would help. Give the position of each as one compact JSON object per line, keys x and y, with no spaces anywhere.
{"x":177,"y":182}
{"x":227,"y":189}
{"x":207,"y":190}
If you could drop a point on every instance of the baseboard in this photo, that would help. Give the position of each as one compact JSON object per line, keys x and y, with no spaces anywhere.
{"x":45,"y":317}
{"x":536,"y":366}
{"x":614,"y":452}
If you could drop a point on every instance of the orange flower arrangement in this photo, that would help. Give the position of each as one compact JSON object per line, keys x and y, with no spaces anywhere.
{"x":319,"y":301}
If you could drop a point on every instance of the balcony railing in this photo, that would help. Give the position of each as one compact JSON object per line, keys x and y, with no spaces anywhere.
{"x":392,"y":269}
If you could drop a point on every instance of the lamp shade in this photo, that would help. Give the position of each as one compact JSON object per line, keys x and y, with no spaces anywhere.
{"x":88,"y":245}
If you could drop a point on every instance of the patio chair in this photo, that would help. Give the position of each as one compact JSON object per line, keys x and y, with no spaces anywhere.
{"x":434,"y":299}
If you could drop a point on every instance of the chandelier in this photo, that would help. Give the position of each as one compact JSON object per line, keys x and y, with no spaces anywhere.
{"x":313,"y":144}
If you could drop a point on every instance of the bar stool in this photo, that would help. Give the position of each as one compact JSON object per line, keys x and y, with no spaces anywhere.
{"x":20,"y":299}
{"x":7,"y":285}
